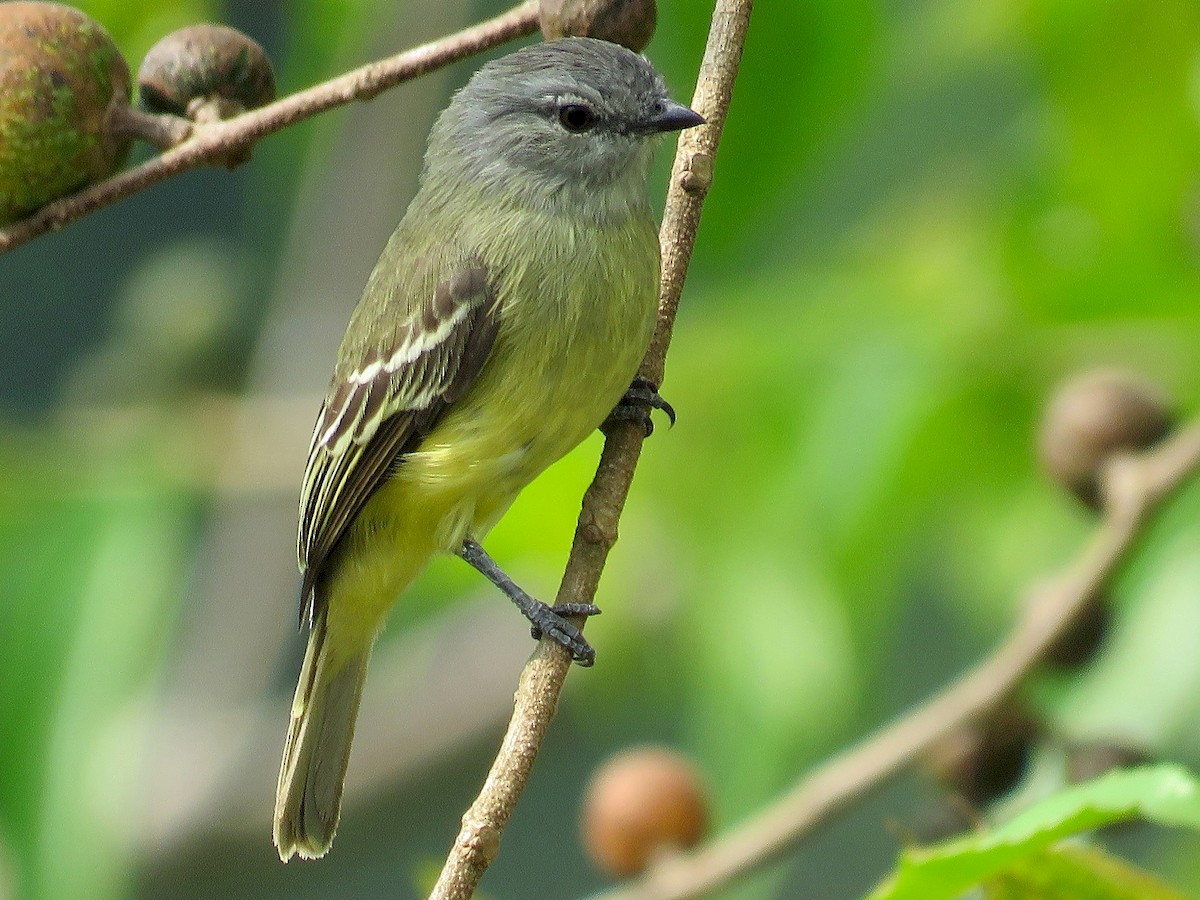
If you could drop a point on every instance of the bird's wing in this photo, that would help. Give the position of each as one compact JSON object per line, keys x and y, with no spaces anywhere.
{"x":384,"y":405}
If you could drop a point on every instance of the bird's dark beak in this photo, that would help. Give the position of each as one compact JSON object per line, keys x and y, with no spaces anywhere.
{"x":671,"y":116}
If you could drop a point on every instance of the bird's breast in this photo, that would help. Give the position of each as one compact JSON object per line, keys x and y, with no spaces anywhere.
{"x":577,"y":307}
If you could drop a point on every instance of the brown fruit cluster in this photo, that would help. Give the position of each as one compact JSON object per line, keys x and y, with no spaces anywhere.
{"x":60,"y":77}
{"x":65,"y":118}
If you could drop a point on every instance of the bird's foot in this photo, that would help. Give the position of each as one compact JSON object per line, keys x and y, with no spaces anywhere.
{"x":551,"y":622}
{"x":544,"y":620}
{"x":635,"y":406}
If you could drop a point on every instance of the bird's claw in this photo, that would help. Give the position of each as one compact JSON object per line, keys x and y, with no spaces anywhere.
{"x":550,"y":621}
{"x":635,"y":406}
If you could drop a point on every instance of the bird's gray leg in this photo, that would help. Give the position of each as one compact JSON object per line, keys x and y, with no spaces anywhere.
{"x":635,"y":406}
{"x":545,"y":620}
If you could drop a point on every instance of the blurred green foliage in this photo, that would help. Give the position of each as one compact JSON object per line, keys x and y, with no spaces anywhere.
{"x":1008,"y":858}
{"x":926,"y":213}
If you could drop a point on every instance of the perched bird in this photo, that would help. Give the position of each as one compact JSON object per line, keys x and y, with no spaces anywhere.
{"x":503,"y":322}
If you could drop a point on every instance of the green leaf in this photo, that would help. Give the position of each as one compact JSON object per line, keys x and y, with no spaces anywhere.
{"x":1077,"y":873}
{"x":1166,"y":794}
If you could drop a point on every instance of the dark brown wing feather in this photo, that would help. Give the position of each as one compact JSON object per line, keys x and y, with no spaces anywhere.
{"x":383,"y":408}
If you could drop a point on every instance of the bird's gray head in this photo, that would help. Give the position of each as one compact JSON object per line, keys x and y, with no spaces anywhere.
{"x":559,"y":125}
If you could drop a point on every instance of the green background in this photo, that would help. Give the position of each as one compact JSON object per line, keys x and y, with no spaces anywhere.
{"x":926,"y":213}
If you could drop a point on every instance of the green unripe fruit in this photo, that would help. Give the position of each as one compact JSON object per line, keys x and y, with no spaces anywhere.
{"x":60,"y":75}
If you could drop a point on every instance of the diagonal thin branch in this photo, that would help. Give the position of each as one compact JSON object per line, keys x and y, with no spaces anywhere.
{"x":1134,"y":487}
{"x":217,"y":141}
{"x":541,"y":681}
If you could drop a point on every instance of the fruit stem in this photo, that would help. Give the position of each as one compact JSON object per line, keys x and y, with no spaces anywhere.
{"x":161,"y":130}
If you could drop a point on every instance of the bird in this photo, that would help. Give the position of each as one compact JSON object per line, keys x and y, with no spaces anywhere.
{"x":503,"y":323}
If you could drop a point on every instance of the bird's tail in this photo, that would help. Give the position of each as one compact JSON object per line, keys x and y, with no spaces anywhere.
{"x":309,"y":796}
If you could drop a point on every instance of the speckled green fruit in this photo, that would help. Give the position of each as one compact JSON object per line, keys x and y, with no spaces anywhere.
{"x":60,"y":72}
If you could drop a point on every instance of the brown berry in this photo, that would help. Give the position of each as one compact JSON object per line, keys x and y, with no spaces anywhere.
{"x":641,"y":804}
{"x":985,"y":759}
{"x":627,"y":22}
{"x":1084,"y":636}
{"x":1093,"y":417}
{"x":205,"y":72}
{"x":61,"y":76}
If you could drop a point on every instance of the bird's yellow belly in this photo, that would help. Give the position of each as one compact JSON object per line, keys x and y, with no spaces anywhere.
{"x":518,"y":422}
{"x":556,"y":371}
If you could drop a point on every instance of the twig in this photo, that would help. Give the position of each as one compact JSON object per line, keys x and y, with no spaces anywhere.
{"x":216,"y":142}
{"x":542,"y":679}
{"x":1135,"y":486}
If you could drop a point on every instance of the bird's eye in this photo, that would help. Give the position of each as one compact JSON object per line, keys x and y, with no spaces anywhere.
{"x":576,"y":117}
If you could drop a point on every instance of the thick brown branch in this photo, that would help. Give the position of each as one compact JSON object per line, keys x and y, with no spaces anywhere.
{"x":542,"y":679}
{"x":219,"y":141}
{"x":1134,"y":486}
